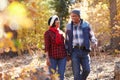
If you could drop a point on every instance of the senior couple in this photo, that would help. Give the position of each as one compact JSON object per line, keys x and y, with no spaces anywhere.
{"x":76,"y":44}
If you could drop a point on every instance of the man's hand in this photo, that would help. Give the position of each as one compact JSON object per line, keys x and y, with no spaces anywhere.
{"x":95,"y":45}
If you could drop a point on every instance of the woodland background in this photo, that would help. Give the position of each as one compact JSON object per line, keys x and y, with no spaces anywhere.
{"x":22,"y":27}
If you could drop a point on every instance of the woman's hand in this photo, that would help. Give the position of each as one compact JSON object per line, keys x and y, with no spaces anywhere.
{"x":47,"y":59}
{"x":48,"y":62}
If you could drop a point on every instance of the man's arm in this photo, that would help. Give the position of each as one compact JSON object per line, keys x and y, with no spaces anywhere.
{"x":93,"y":38}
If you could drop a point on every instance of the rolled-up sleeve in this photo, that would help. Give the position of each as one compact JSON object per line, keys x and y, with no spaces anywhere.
{"x":93,"y":39}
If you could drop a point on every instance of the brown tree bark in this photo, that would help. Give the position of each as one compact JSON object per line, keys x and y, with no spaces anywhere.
{"x":117,"y":71}
{"x":113,"y":12}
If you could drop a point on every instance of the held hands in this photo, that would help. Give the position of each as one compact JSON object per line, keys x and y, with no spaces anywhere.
{"x":68,"y":57}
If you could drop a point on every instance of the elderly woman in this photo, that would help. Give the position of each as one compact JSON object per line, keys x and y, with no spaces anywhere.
{"x":55,"y":47}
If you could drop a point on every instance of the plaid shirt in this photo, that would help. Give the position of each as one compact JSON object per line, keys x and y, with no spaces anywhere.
{"x":77,"y":35}
{"x":54,"y":50}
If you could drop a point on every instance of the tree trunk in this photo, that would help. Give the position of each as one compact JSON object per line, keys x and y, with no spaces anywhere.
{"x":113,"y":12}
{"x":117,"y":71}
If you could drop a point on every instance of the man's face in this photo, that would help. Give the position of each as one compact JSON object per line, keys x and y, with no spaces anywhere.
{"x":75,"y":18}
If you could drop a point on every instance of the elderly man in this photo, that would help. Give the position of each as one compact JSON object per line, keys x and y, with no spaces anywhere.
{"x":78,"y":37}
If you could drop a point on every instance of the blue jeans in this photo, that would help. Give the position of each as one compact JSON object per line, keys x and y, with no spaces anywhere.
{"x":80,"y":64}
{"x":61,"y":64}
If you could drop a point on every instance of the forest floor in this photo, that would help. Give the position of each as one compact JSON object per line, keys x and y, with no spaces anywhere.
{"x":102,"y":67}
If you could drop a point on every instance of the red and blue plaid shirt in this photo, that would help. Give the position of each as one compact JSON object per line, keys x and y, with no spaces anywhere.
{"x":54,"y":50}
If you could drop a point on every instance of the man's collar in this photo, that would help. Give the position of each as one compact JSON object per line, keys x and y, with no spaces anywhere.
{"x":77,"y":24}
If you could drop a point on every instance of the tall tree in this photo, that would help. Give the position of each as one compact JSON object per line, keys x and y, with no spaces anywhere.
{"x":61,"y":8}
{"x":113,"y":12}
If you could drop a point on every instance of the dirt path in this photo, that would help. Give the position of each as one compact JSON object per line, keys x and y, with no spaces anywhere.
{"x":102,"y":66}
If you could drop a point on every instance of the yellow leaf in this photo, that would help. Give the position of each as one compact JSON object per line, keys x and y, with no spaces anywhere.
{"x":117,"y":51}
{"x":9,"y":35}
{"x":55,"y":76}
{"x":16,"y":8}
{"x":105,"y":6}
{"x":7,"y":49}
{"x":53,"y":71}
{"x":14,"y":49}
{"x":34,"y":5}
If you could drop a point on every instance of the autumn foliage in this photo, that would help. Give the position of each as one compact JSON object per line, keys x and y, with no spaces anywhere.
{"x":23,"y":23}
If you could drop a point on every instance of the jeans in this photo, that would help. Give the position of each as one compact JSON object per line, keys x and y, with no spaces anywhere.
{"x":80,"y":64}
{"x":61,"y":64}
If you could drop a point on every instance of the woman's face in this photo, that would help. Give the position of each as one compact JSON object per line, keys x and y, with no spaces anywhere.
{"x":57,"y":23}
